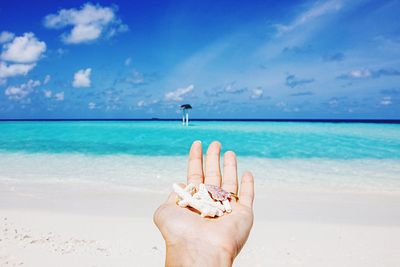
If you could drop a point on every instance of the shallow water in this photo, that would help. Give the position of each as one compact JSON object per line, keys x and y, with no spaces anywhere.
{"x":151,"y":155}
{"x":169,"y":138}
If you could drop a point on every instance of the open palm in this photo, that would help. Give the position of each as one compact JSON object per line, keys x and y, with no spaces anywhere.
{"x":184,"y":227}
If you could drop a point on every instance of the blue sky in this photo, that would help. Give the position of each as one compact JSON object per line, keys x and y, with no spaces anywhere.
{"x":229,"y":59}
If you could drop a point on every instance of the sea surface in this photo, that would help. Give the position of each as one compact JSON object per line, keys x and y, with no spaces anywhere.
{"x":152,"y":154}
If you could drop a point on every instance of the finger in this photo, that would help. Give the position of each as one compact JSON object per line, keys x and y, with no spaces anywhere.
{"x":195,"y":166}
{"x":213,"y":172}
{"x":230,"y":179}
{"x":246,"y":195}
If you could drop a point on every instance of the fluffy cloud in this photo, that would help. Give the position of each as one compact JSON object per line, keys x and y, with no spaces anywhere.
{"x":292,"y":81}
{"x":11,"y":70}
{"x":179,"y":93}
{"x":23,"y":49}
{"x":21,"y":91}
{"x":82,"y":78}
{"x":257,"y":93}
{"x":6,"y":36}
{"x":59,"y":96}
{"x":19,"y":54}
{"x":367,"y":73}
{"x":47,"y":93}
{"x":88,"y":23}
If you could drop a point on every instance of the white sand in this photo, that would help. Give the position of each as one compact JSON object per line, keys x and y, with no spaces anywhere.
{"x":86,"y":225}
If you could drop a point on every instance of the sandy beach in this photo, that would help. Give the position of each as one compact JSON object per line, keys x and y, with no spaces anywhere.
{"x":103,"y":225}
{"x":84,"y":193}
{"x":106,"y":107}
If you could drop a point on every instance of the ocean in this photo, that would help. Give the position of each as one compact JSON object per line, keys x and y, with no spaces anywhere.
{"x":152,"y":154}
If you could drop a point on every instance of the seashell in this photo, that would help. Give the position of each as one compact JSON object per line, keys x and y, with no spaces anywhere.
{"x":217,"y":193}
{"x":206,"y":199}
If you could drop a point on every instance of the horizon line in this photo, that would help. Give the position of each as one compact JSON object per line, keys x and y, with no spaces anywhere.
{"x":388,"y":121}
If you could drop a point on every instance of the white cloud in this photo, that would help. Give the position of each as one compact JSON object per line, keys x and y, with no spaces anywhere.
{"x":368,"y":73}
{"x":128,"y":61}
{"x":257,"y":93}
{"x":386,"y":101}
{"x":23,"y":49}
{"x":88,"y":23}
{"x":21,"y":91}
{"x":19,"y":54}
{"x":318,"y":10}
{"x":360,"y":74}
{"x":233,"y":88}
{"x":47,"y":93}
{"x":6,"y":36}
{"x":59,"y":96}
{"x":14,"y":69}
{"x":46,"y":79}
{"x":91,"y":105}
{"x":179,"y":93}
{"x":82,"y":78}
{"x":149,"y":103}
{"x":135,"y":78}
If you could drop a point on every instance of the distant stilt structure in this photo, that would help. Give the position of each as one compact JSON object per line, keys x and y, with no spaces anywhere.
{"x":185,"y":114}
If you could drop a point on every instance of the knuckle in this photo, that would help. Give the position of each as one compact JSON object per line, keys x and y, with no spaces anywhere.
{"x":213,"y":177}
{"x":229,"y":163}
{"x":195,"y":176}
{"x":229,"y":182}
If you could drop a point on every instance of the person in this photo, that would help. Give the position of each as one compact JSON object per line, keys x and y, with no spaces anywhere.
{"x":192,"y":240}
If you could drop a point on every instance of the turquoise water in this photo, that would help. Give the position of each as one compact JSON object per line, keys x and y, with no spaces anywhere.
{"x":169,"y":138}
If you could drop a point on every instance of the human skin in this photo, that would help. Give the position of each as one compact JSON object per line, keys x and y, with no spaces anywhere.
{"x":192,"y":240}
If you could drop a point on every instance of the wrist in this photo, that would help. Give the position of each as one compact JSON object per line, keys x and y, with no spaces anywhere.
{"x":197,"y":253}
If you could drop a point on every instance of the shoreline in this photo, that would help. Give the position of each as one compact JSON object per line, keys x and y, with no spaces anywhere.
{"x":157,"y":173}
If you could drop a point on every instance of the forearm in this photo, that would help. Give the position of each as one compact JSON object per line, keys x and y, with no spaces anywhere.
{"x":194,"y":254}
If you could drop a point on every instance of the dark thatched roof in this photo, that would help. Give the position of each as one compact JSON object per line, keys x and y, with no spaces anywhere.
{"x":186,"y":106}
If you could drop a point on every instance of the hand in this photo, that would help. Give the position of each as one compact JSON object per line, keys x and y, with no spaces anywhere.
{"x":195,"y":241}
